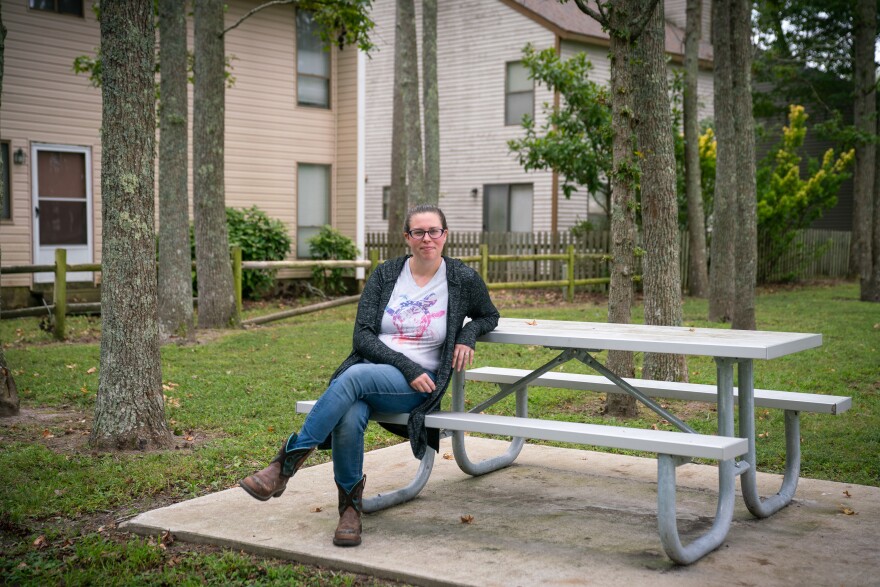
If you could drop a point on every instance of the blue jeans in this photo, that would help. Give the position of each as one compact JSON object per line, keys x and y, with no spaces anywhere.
{"x":344,"y":409}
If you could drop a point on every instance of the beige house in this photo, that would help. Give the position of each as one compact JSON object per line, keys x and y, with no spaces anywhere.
{"x":484,"y":91}
{"x":291,"y":130}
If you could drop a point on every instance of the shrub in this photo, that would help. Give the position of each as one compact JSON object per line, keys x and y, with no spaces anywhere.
{"x":788,"y":202}
{"x":329,"y":243}
{"x":261,"y":238}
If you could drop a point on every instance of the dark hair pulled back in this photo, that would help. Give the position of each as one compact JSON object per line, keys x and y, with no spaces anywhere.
{"x":424,"y":209}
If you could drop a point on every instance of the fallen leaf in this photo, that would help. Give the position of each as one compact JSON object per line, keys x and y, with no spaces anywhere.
{"x":167,"y":538}
{"x":91,"y":370}
{"x":189,"y":438}
{"x":41,"y":542}
{"x":317,"y":509}
{"x":847,"y":511}
{"x":71,"y":366}
{"x":846,"y":493}
{"x":692,"y":329}
{"x":59,"y":492}
{"x":166,"y":387}
{"x":448,"y":456}
{"x":271,"y":429}
{"x":84,"y":389}
{"x":47,"y":434}
{"x":22,"y":565}
{"x":532,"y":322}
{"x":467,"y":519}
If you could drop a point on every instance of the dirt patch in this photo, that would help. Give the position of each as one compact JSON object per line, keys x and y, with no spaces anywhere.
{"x":518,"y":298}
{"x":66,"y":431}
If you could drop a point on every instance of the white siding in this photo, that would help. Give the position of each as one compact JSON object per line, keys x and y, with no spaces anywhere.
{"x":475,"y":41}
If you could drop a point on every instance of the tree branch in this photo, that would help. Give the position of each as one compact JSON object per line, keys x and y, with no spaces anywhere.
{"x":598,"y":16}
{"x":256,"y":10}
{"x":642,"y":21}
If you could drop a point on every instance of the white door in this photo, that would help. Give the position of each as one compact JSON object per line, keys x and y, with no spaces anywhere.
{"x":62,"y":207}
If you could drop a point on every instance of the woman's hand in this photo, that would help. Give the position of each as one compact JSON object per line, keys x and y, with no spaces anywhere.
{"x":423,"y":383}
{"x":462,"y":356}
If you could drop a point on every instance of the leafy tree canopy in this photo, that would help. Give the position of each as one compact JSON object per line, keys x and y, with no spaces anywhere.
{"x":575,"y":140}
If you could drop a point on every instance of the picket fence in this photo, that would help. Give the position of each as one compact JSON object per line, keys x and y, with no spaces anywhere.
{"x":814,"y":254}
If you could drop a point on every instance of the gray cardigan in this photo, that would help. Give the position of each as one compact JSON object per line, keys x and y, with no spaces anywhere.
{"x":468,"y":297}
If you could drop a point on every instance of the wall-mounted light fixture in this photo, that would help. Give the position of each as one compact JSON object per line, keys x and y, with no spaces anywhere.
{"x":18,"y":156}
{"x":474,"y":192}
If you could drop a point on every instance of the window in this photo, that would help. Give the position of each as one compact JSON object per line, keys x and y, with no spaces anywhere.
{"x":507,"y":208}
{"x":519,"y":94}
{"x":386,"y":199}
{"x":74,"y":7}
{"x":5,"y":178}
{"x":312,"y":63}
{"x":312,"y":204}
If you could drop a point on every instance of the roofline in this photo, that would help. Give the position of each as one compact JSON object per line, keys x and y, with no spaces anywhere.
{"x":562,"y":34}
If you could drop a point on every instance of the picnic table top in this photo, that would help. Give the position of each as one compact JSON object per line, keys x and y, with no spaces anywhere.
{"x":683,"y":340}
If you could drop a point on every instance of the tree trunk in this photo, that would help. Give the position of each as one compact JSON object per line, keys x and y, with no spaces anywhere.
{"x":871,"y":291}
{"x":660,"y":263}
{"x":431,"y":101}
{"x":746,"y":188}
{"x":213,"y":267}
{"x":409,"y":88}
{"x":722,"y":250}
{"x":9,"y":400}
{"x":175,"y":259}
{"x":698,"y":273}
{"x":397,"y":204}
{"x":865,"y":25}
{"x":129,"y":411}
{"x":623,"y":211}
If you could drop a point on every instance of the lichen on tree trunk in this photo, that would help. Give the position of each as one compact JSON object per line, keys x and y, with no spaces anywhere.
{"x":213,"y":266}
{"x":175,"y":259}
{"x":129,"y":410}
{"x":660,"y":264}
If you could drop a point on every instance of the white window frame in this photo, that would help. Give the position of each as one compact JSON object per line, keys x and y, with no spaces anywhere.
{"x":299,"y":200}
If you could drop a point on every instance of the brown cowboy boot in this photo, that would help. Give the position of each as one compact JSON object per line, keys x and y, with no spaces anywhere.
{"x":348,"y":531}
{"x":272,"y":481}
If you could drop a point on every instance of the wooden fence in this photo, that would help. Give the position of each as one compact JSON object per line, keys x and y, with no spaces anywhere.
{"x":505,"y":260}
{"x":813,"y":254}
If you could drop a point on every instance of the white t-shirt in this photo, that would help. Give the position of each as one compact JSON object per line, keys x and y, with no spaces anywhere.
{"x":414,"y":321}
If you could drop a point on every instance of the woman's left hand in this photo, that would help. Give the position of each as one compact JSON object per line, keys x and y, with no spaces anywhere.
{"x":462,"y":356}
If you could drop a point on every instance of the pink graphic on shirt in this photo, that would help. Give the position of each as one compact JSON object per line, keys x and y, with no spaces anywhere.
{"x":412,"y":318}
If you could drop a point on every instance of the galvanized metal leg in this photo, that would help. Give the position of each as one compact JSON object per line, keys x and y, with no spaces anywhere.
{"x":458,"y":437}
{"x":666,"y":516}
{"x":404,"y":494}
{"x":727,"y":471}
{"x":764,"y":507}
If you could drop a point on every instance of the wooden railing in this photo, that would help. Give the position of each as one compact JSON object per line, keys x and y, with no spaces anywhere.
{"x":505,"y":261}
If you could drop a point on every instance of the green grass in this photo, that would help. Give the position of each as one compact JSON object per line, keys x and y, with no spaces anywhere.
{"x":232,"y":398}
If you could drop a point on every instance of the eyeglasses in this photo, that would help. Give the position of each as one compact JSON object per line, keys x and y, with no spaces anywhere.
{"x":419,"y":234}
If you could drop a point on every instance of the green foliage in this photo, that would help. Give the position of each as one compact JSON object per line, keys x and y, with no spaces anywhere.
{"x":342,"y":22}
{"x":805,"y":55}
{"x":329,"y":243}
{"x":788,"y":202}
{"x":576,"y":139}
{"x":237,"y":390}
{"x":261,"y":238}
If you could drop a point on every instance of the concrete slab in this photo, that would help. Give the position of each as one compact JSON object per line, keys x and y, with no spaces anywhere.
{"x":555,"y":517}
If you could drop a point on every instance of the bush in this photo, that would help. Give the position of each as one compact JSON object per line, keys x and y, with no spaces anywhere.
{"x":261,"y":238}
{"x":331,"y":244}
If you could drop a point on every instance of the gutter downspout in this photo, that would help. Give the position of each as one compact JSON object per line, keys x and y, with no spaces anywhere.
{"x":361,"y":156}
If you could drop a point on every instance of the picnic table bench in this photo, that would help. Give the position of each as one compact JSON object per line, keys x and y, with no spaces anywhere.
{"x":577,"y":341}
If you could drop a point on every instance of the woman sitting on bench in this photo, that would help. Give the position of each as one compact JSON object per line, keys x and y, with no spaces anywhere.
{"x":408,"y":337}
